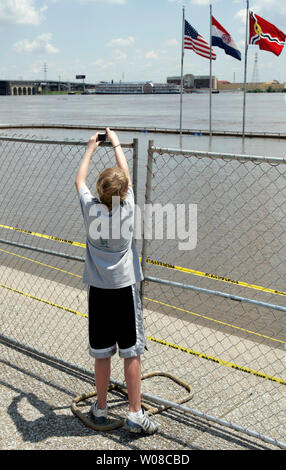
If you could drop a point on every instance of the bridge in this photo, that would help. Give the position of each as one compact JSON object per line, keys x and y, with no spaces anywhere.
{"x":36,"y":87}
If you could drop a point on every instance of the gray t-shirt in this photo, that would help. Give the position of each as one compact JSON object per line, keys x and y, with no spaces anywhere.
{"x":111,"y":259}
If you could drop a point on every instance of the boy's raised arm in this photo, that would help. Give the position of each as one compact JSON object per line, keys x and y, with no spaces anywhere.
{"x":81,"y":175}
{"x":119,"y":154}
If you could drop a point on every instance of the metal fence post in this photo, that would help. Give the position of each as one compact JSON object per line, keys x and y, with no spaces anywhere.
{"x":145,"y":219}
{"x":135,"y":169}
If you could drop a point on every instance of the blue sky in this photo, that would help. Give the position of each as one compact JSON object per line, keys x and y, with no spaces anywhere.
{"x":130,"y":40}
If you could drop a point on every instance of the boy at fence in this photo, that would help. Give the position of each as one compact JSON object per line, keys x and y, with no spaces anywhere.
{"x":111,"y":271}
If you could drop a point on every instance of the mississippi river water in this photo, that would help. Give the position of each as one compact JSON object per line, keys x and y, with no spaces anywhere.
{"x":264,"y":113}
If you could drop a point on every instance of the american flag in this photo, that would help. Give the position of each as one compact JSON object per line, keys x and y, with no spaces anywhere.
{"x":193,"y":40}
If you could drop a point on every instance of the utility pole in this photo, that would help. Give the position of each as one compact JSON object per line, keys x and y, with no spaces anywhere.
{"x":255,"y":74}
{"x":45,"y":69}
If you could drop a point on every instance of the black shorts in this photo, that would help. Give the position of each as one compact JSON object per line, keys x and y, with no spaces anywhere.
{"x":115,"y":318}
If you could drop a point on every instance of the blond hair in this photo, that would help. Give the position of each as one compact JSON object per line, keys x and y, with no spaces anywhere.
{"x":112,"y":182}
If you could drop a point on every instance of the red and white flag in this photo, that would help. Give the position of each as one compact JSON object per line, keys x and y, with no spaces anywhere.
{"x":265,"y":35}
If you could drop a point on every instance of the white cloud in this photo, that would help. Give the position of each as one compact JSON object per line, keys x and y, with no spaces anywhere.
{"x":118,"y":2}
{"x":268,"y":3}
{"x":120,"y":42}
{"x":241,"y":16}
{"x":102,"y":65}
{"x":151,"y":55}
{"x":194,"y":2}
{"x":20,"y":12}
{"x":39,"y":45}
{"x":273,"y":7}
{"x":171,"y":42}
{"x":97,"y":62}
{"x":119,"y":54}
{"x":201,"y":2}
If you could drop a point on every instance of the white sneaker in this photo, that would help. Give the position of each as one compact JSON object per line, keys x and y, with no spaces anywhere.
{"x":99,"y":416}
{"x":141,"y":423}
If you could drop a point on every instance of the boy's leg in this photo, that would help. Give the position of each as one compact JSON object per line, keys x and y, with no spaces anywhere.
{"x":136,"y":420}
{"x":102,"y":377}
{"x":132,"y":372}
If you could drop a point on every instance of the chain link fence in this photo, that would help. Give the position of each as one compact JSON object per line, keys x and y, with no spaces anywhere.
{"x":216,"y":305}
{"x":214,"y":309}
{"x":42,"y":246}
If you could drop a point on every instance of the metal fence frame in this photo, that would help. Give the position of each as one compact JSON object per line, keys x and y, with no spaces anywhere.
{"x":152,"y":150}
{"x":26,"y":348}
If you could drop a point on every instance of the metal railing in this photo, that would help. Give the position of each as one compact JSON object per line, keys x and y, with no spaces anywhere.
{"x":151,"y":129}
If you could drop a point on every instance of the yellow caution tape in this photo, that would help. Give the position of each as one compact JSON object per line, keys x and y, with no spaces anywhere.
{"x":150,"y":338}
{"x":42,"y":235}
{"x":34,"y":297}
{"x":214,"y":276}
{"x":218,"y":361}
{"x":151,"y":300}
{"x":215,"y":321}
{"x":40,"y":263}
{"x":157,"y":263}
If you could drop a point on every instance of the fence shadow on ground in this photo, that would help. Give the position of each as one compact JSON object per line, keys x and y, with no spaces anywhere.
{"x":37,"y":420}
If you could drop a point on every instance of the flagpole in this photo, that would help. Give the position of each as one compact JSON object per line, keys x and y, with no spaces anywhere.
{"x":245,"y":68}
{"x":182,"y":77}
{"x":211,"y":85}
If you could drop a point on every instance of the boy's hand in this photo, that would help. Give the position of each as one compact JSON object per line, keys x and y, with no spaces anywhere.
{"x":112,"y":136}
{"x":93,"y":143}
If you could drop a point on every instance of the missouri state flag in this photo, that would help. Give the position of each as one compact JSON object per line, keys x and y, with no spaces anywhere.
{"x":265,"y":35}
{"x":221,"y":38}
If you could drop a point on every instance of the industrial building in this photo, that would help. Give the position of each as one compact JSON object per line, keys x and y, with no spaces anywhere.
{"x":193,"y":82}
{"x":136,"y":88}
